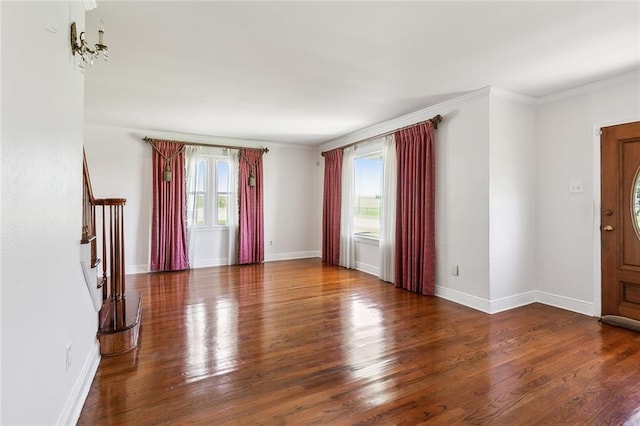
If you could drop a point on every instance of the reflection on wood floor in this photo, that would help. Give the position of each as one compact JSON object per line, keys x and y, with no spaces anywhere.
{"x":300,"y":342}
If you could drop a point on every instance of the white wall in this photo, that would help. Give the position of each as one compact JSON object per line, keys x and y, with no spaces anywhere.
{"x":367,"y":254}
{"x":511,"y":199}
{"x":120,"y":166}
{"x":462,"y":199}
{"x":45,"y":305}
{"x":485,"y":195}
{"x":568,"y":270}
{"x":292,"y":202}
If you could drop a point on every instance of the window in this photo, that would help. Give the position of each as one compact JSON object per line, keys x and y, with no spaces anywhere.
{"x":212,"y":191}
{"x":368,"y":190}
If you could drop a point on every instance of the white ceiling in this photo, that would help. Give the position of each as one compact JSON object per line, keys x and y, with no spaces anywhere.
{"x":307,"y":72}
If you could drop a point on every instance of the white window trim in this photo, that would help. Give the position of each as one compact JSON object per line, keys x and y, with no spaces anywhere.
{"x":212,"y":227}
{"x":367,"y":239}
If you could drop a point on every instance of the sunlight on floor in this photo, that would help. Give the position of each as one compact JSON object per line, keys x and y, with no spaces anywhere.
{"x":200,"y":335}
{"x":367,"y":336}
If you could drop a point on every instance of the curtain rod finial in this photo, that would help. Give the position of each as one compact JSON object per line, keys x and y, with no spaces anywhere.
{"x":435,"y":120}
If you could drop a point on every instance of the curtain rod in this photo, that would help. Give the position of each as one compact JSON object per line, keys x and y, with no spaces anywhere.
{"x":149,"y":140}
{"x":434,"y":120}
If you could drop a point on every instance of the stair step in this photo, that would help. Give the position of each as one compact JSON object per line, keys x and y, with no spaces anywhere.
{"x":120,"y":324}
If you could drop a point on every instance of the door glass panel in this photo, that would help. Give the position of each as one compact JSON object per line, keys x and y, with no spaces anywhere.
{"x":635,"y":203}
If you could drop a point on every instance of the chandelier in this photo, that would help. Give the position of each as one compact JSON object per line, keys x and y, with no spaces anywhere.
{"x":87,"y":55}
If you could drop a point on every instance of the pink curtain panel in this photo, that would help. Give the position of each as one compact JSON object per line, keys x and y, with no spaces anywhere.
{"x":251,"y":225}
{"x":168,"y":227}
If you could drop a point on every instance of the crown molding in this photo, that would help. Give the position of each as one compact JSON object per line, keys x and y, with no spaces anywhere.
{"x":513,"y":96}
{"x":403,"y":121}
{"x":590,"y":87}
{"x":192,"y":137}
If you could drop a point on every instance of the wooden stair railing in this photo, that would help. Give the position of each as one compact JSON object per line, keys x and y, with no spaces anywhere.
{"x":88,"y":213}
{"x":112,"y":215}
{"x":119,"y":317}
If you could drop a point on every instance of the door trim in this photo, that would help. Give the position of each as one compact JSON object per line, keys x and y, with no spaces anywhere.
{"x":597,"y":259}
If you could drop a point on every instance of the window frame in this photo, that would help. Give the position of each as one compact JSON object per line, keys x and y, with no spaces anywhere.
{"x":211,"y":193}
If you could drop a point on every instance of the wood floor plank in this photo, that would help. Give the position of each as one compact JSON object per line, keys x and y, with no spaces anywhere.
{"x":301,"y":342}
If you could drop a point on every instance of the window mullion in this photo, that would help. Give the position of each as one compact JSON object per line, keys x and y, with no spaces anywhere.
{"x":211,"y":193}
{"x":214,"y":192}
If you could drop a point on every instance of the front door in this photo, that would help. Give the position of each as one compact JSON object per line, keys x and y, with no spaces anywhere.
{"x":620,"y":220}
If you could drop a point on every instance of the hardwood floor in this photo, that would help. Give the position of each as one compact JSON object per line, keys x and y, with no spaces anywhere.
{"x":300,"y":342}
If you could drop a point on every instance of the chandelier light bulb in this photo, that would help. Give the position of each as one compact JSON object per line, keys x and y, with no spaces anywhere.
{"x":101,"y":33}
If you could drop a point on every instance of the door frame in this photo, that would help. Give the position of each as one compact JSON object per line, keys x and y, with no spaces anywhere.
{"x":597,"y":243}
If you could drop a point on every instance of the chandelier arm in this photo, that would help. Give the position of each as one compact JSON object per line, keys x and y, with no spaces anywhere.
{"x":80,"y":46}
{"x":84,"y":46}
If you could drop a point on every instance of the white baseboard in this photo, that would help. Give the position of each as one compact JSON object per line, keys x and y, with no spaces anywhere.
{"x":72,"y":409}
{"x":563,"y":302}
{"x":369,"y":269}
{"x":136,"y":269}
{"x":208,"y":263}
{"x":511,"y":302}
{"x":475,"y":302}
{"x":291,"y":255}
{"x":204,"y":263}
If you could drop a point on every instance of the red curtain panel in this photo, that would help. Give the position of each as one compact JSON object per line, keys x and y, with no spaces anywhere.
{"x":415,"y":209}
{"x":332,"y":199}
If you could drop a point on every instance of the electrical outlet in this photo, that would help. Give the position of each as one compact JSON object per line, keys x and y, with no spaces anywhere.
{"x":68,"y":357}
{"x":270,"y":243}
{"x":576,"y":187}
{"x":455,"y":271}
